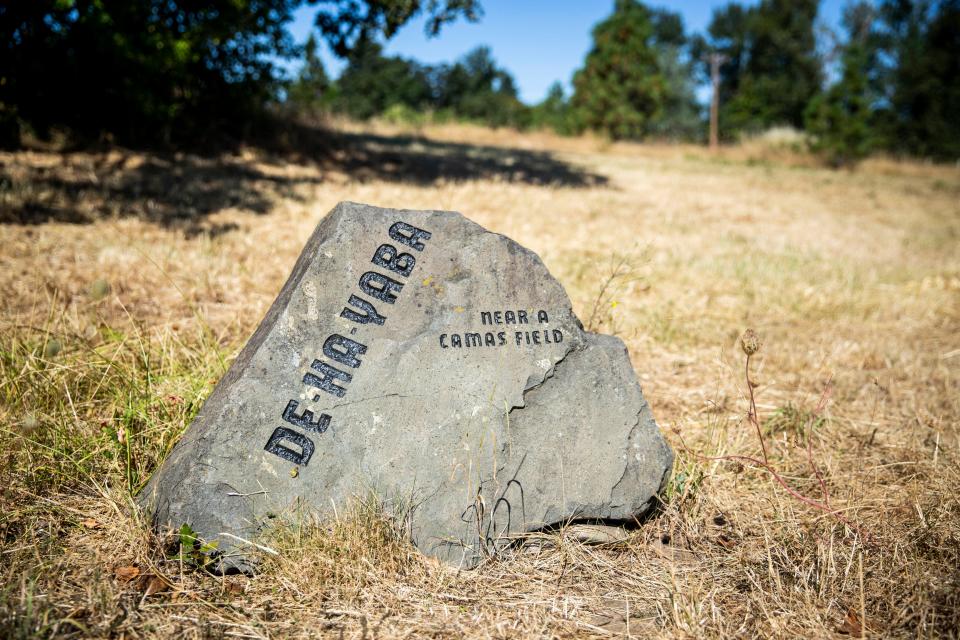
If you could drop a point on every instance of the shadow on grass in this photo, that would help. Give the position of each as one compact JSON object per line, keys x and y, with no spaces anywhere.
{"x":179,"y":189}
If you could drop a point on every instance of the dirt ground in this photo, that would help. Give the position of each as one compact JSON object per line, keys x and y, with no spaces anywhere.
{"x":129,"y":280}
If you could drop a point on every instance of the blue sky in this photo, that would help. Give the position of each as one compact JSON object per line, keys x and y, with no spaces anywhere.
{"x":538,"y":41}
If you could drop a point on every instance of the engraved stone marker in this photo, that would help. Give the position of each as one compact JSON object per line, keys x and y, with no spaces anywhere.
{"x":416,"y":355}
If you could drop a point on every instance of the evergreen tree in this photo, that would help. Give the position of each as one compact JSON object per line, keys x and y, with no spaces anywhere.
{"x":473,"y":88}
{"x":620,"y":90}
{"x":476,"y":88}
{"x":771,"y":69}
{"x":554,"y":111}
{"x":680,"y":117}
{"x":310,"y":91}
{"x":840,"y":118}
{"x":371,"y":83}
{"x":782,"y":71}
{"x":728,"y":36}
{"x":922,"y":79}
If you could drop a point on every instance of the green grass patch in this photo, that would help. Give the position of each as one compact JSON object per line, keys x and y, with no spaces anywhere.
{"x":102,"y":408}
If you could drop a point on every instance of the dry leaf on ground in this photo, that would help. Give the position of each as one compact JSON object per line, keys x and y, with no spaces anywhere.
{"x":851,"y":625}
{"x":126,"y":574}
{"x":152,"y":584}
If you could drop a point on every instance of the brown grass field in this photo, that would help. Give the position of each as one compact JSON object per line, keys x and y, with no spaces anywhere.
{"x":130,"y":280}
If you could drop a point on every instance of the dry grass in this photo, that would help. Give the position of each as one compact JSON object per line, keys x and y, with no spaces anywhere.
{"x":852,"y":278}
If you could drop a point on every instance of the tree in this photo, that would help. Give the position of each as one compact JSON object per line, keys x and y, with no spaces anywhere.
{"x":348,"y":23}
{"x":771,"y":69}
{"x":473,"y":88}
{"x":553,"y":112}
{"x":371,"y":83}
{"x":783,"y":71}
{"x":839,"y":119}
{"x":620,"y":90}
{"x":679,"y":117}
{"x":171,"y":71}
{"x":476,"y":88}
{"x":168,"y":70}
{"x":922,"y":77}
{"x":727,"y":35}
{"x":310,"y":91}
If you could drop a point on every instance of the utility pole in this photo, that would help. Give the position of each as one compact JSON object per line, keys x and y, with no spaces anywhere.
{"x":716,"y":59}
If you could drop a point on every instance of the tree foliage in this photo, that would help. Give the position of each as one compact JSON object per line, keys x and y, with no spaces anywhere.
{"x":839,"y":119}
{"x":372,"y":82}
{"x":727,"y":35}
{"x":619,"y":90}
{"x":637,"y":79}
{"x":921,"y":47}
{"x":140,"y":71}
{"x":899,"y":84}
{"x":172,"y":71}
{"x":770,"y":68}
{"x":349,"y":24}
{"x":310,"y":92}
{"x":679,"y":117}
{"x":554,"y":111}
{"x":474,"y":87}
{"x":190,"y":72}
{"x":783,"y":71}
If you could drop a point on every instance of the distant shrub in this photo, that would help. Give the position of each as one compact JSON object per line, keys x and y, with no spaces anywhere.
{"x":402,"y":114}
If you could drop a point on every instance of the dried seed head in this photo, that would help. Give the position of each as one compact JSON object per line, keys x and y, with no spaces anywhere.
{"x":750,"y":342}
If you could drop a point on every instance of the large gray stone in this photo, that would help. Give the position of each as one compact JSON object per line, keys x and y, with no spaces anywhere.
{"x":471,"y":393}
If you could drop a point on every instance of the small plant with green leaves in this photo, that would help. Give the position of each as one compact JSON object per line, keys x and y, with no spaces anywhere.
{"x":193,"y":551}
{"x":794,"y":421}
{"x":685,"y":482}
